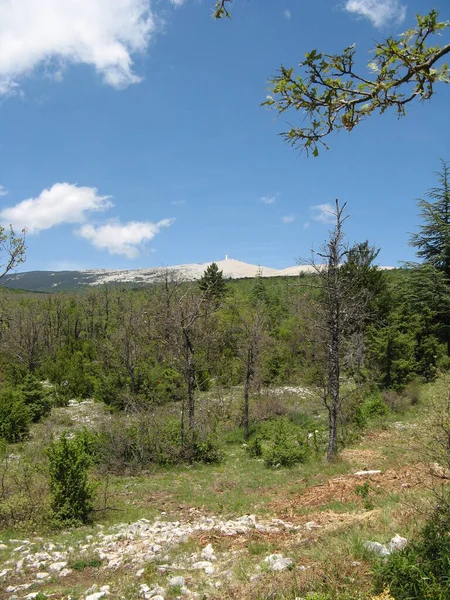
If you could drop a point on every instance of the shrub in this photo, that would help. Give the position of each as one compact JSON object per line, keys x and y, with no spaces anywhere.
{"x":70,"y":489}
{"x":413,"y":391}
{"x":374,"y":407}
{"x":422,"y":570}
{"x":24,"y":492}
{"x":73,"y":373}
{"x":163,"y":384}
{"x":397,"y":402}
{"x":15,"y":416}
{"x":254,"y":447}
{"x":107,"y":389}
{"x":35,"y":398}
{"x":286,"y":447}
{"x":138,"y":441}
{"x":207,"y":451}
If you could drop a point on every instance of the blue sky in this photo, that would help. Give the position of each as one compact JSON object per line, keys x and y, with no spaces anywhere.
{"x":133,"y":131}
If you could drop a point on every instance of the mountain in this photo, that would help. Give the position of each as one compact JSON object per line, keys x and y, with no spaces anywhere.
{"x":46,"y":281}
{"x":51,"y":281}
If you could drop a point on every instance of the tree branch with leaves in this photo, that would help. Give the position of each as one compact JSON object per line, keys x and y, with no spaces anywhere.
{"x":333,"y":96}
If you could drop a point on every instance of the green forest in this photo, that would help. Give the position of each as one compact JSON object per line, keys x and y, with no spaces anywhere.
{"x":178,"y":379}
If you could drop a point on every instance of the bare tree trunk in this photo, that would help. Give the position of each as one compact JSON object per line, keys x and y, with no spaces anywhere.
{"x":333,"y":391}
{"x":248,"y":380}
{"x":332,"y":431}
{"x":189,"y":369}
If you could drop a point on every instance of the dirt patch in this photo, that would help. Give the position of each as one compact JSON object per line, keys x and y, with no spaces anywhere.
{"x":362,"y":458}
{"x":344,"y":489}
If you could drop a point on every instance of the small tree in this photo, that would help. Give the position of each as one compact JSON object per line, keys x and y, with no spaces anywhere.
{"x":35,"y":397}
{"x":71,"y":491}
{"x":14,"y":416}
{"x":253,"y":336}
{"x":12,"y":250}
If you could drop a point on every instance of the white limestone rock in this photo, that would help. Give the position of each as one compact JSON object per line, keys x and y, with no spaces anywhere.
{"x":208,"y":553}
{"x":377,"y":548}
{"x":397,"y":543}
{"x":277,"y":562}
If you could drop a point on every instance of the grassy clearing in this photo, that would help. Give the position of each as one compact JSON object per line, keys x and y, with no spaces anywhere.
{"x":335,"y":510}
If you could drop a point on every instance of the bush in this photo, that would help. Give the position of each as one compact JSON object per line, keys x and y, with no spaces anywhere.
{"x":207,"y":451}
{"x":138,"y":441}
{"x":254,"y":447}
{"x":73,"y":373}
{"x":35,"y":398}
{"x":24,"y":492}
{"x":286,"y":447}
{"x":71,"y":492}
{"x":413,"y":392}
{"x":374,"y":407}
{"x":108,"y":389}
{"x":422,"y":570}
{"x":397,"y":402}
{"x":15,"y":416}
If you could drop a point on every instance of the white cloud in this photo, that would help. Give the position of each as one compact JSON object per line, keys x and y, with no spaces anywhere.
{"x":62,"y":203}
{"x":287,"y":14}
{"x":3,"y":190}
{"x":269,"y":199}
{"x":306,"y":225}
{"x":55,"y":33}
{"x":178,"y":2}
{"x":124,"y":238}
{"x":379,"y":12}
{"x":324,"y":213}
{"x":178,"y":202}
{"x":288,"y":219}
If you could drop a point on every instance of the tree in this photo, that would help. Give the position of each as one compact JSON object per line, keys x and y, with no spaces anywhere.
{"x":332,"y":95}
{"x":363,"y":279}
{"x":433,"y":239}
{"x":339,"y":310}
{"x":71,"y":492}
{"x":333,"y":254}
{"x":212,"y":283}
{"x":180,"y":313}
{"x":253,"y":337}
{"x":12,"y":250}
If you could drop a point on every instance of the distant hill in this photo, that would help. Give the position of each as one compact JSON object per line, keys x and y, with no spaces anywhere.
{"x":52,"y":281}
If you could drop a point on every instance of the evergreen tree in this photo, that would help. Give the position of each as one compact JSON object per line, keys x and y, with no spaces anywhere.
{"x":433,"y":240}
{"x":212,"y":282}
{"x":35,"y":398}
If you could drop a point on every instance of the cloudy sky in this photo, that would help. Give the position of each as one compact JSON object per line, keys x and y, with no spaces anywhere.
{"x":131,"y":133}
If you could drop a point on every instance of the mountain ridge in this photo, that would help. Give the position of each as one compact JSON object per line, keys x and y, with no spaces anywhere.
{"x":68,"y":280}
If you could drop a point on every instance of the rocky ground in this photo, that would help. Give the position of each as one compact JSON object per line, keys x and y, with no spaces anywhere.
{"x":304,"y":526}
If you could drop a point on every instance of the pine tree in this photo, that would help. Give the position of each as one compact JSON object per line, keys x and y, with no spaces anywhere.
{"x":212,"y":282}
{"x":433,"y":239}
